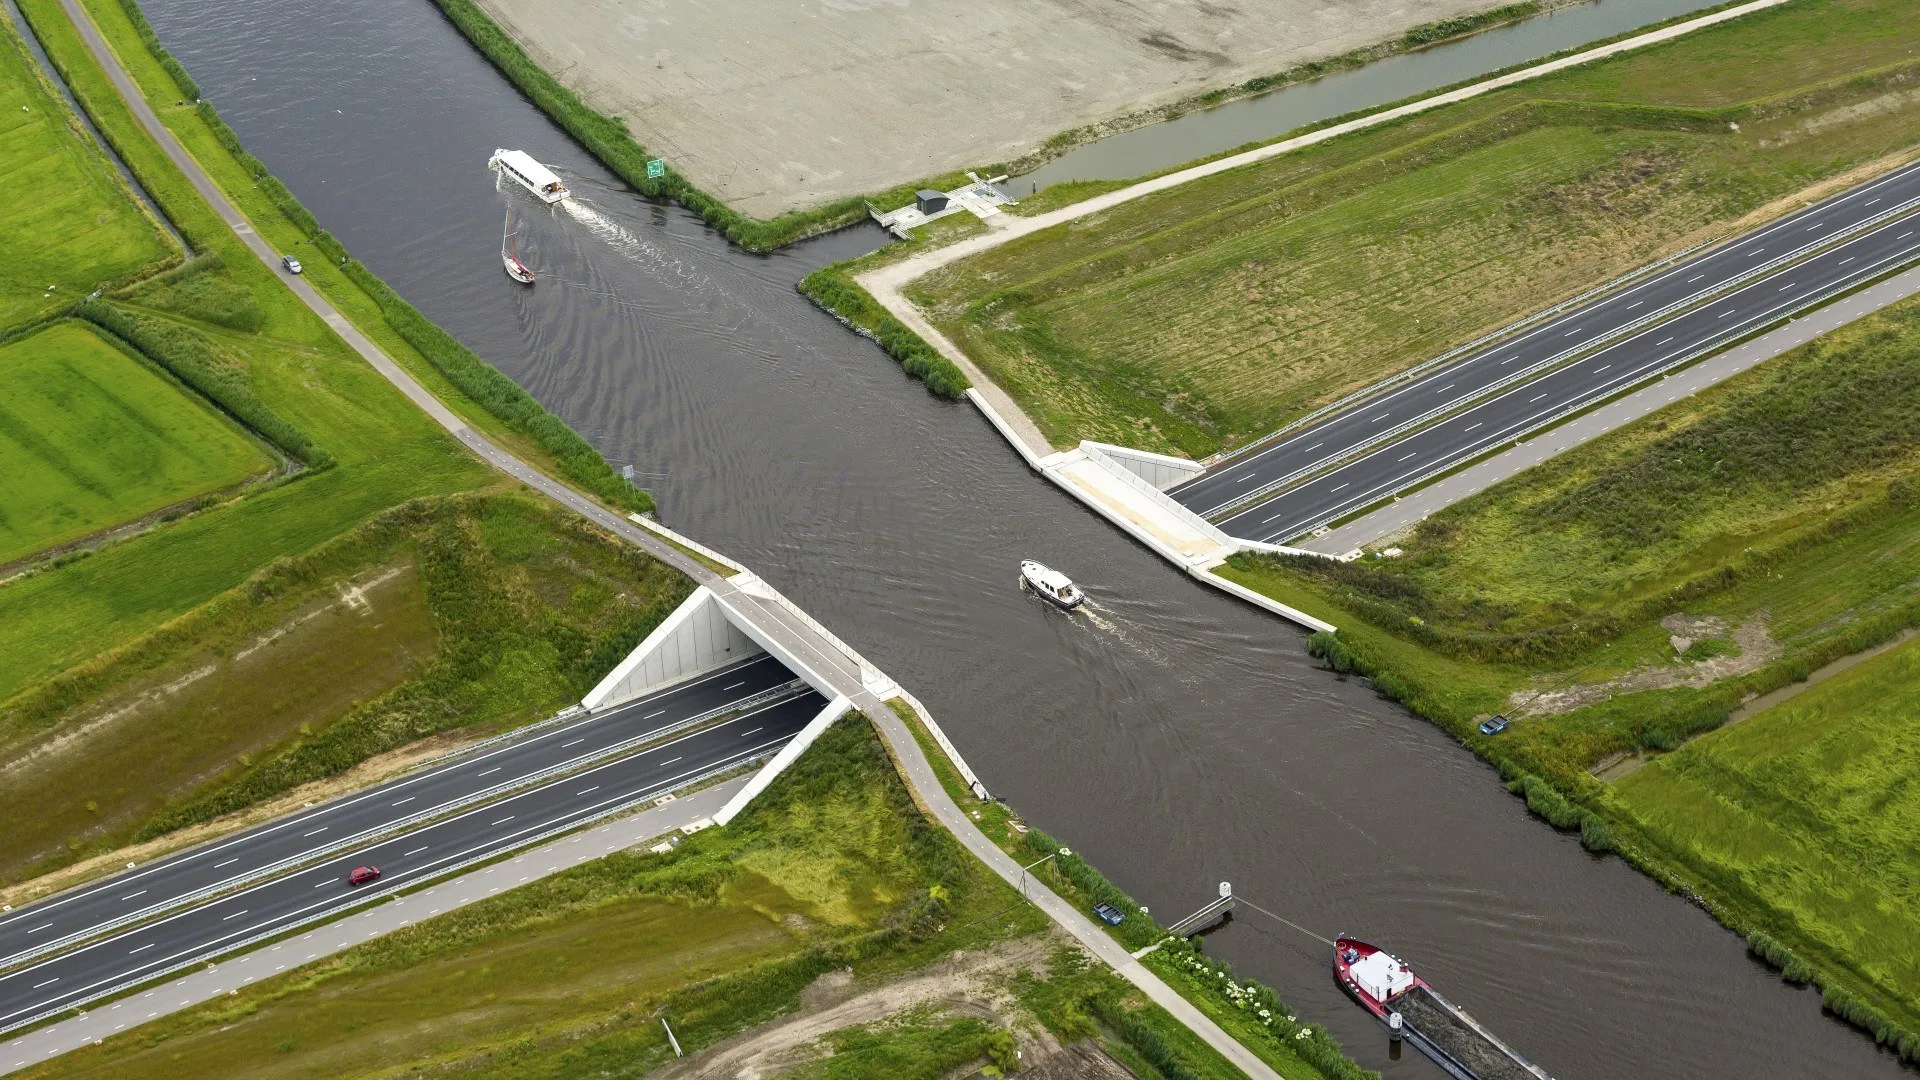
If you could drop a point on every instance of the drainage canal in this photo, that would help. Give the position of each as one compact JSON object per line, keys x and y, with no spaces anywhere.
{"x":1179,"y":740}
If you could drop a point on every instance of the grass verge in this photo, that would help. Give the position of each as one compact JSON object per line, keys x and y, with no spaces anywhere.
{"x":831,"y":870}
{"x":1201,"y":317}
{"x":832,"y":287}
{"x":475,"y":613}
{"x":67,"y":221}
{"x":1622,"y":599}
{"x":1247,"y":1010}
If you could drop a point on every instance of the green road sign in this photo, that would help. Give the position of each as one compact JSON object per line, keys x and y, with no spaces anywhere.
{"x":656,"y":169}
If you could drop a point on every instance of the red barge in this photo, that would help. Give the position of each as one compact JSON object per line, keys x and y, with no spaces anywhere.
{"x":1386,"y":987}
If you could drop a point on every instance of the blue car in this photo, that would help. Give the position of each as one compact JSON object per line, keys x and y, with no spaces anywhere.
{"x":1108,"y":912}
{"x":1494,"y":725}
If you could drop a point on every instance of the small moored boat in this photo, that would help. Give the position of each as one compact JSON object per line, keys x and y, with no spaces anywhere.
{"x":1051,"y":585}
{"x":530,"y":174}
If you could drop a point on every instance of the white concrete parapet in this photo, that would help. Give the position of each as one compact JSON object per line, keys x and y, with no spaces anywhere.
{"x":789,"y":753}
{"x":687,"y":542}
{"x":946,"y":745}
{"x":1161,"y":470}
{"x":872,"y":678}
{"x":698,"y":637}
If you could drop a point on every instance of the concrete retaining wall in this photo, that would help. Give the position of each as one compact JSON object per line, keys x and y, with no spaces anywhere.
{"x":789,"y":753}
{"x":698,"y":637}
{"x":1160,"y":470}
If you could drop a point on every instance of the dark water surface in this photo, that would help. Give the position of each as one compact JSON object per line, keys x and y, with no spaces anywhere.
{"x":1175,"y":736}
{"x":1394,"y":78}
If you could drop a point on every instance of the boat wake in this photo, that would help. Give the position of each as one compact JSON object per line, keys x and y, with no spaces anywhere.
{"x":622,"y":240}
{"x":1119,"y":633}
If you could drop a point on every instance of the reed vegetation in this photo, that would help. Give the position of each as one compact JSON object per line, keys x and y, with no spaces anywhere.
{"x":192,"y":359}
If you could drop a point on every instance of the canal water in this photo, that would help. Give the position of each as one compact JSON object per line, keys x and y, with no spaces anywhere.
{"x":1395,"y":78}
{"x":1175,"y":736}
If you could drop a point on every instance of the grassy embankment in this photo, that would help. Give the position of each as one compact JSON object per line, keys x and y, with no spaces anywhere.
{"x":832,"y":287}
{"x":67,"y":221}
{"x":1771,"y":525}
{"x":1201,"y":317}
{"x":833,"y":869}
{"x":1250,"y":1012}
{"x":130,"y":700}
{"x":468,"y":614}
{"x":386,"y":450}
{"x":91,"y":438}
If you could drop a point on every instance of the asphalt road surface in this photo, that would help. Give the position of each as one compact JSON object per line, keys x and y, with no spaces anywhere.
{"x":1513,"y":412}
{"x":1453,"y":384}
{"x":281,"y":903}
{"x":74,"y":916}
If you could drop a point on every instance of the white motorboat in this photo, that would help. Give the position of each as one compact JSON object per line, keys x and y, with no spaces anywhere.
{"x":1052,"y":586}
{"x":529,"y":174}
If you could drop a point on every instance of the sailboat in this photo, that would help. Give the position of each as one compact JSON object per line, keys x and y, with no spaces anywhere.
{"x":516,"y":269}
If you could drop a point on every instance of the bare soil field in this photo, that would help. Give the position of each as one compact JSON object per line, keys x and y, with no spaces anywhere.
{"x":773,"y":105}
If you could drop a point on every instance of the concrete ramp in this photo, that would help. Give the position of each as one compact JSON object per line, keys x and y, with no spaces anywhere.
{"x":698,"y":637}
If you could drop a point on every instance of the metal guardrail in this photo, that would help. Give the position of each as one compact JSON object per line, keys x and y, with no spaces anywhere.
{"x":1488,"y":338}
{"x":791,"y":688}
{"x":1701,"y":299}
{"x":372,"y":898}
{"x":1719,"y":342}
{"x":1160,"y":498}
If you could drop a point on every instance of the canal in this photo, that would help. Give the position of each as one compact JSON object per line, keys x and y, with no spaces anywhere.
{"x":1175,"y":736}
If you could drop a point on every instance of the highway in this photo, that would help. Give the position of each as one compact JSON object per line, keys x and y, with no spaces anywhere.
{"x":282,"y":903}
{"x":160,"y":886}
{"x":1522,"y":408}
{"x":1453,"y":384}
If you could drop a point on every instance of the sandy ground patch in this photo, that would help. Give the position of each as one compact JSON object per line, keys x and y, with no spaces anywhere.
{"x":777,"y":104}
{"x":964,"y":984}
{"x":1756,"y":649}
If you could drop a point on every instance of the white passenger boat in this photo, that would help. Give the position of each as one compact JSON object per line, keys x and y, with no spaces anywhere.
{"x":519,"y":166}
{"x":1051,"y":585}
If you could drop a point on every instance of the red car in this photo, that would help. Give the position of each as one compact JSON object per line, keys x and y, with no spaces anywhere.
{"x":363,"y":874}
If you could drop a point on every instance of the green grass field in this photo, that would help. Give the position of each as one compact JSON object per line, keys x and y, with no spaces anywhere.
{"x":477,"y":614}
{"x":386,"y":450}
{"x":1201,"y":317}
{"x":67,"y":222}
{"x":1785,"y":505}
{"x":1808,"y":811}
{"x":832,"y":868}
{"x":91,"y":437}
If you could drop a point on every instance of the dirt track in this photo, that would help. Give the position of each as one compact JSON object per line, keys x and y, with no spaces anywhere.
{"x":778,"y":104}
